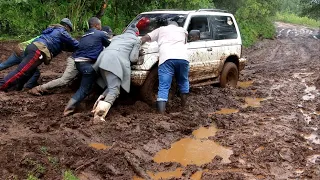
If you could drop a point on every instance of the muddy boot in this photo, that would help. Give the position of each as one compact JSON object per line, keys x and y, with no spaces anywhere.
{"x":36,"y":91}
{"x":101,"y":111}
{"x":70,"y":108}
{"x":184,"y":100}
{"x":161,"y":106}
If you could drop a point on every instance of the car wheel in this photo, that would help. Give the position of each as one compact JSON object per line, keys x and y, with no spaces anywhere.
{"x":229,"y":75}
{"x":149,"y":89}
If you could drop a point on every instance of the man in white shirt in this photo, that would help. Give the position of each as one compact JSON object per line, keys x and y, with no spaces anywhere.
{"x":173,"y":61}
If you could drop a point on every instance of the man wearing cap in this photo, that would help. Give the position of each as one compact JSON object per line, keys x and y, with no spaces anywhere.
{"x":50,"y":43}
{"x":91,"y":45}
{"x":68,"y":75}
{"x":114,"y":66}
{"x":173,"y":61}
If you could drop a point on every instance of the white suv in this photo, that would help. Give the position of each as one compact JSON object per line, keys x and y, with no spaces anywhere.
{"x":214,"y":57}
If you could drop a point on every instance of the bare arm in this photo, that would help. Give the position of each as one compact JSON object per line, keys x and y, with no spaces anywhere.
{"x":145,"y":38}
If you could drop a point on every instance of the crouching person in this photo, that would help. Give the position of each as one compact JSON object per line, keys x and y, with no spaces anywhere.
{"x":41,"y":50}
{"x":114,"y":66}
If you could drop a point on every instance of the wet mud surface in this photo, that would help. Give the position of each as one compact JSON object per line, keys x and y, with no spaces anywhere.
{"x":266,"y":128}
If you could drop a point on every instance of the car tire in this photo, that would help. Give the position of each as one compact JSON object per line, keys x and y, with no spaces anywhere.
{"x":229,"y":75}
{"x":149,"y":89}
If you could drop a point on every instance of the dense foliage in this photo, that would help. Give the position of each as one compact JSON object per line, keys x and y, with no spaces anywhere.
{"x":24,"y":18}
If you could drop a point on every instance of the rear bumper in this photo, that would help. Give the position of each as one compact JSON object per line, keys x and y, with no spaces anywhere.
{"x":242,"y":63}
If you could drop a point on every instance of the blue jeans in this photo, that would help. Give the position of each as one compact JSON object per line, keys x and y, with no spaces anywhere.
{"x":166,"y":71}
{"x":88,"y":78}
{"x":14,"y":59}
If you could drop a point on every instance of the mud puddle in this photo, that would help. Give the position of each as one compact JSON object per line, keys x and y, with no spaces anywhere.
{"x":245,"y":84}
{"x":196,"y":150}
{"x":99,"y":146}
{"x":253,"y":102}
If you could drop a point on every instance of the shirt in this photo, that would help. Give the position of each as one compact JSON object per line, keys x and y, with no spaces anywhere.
{"x":90,"y":45}
{"x":171,"y":40}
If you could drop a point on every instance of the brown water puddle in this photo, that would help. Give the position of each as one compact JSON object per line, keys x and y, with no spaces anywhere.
{"x":253,"y":102}
{"x":99,"y":146}
{"x":225,"y":111}
{"x":205,"y":132}
{"x":245,"y":84}
{"x":162,"y":175}
{"x":196,"y":150}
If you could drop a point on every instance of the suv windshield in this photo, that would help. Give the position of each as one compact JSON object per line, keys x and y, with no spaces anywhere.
{"x":149,"y":22}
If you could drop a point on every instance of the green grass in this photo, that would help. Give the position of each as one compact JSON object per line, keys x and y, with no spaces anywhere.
{"x":31,"y":177}
{"x":295,"y":19}
{"x":68,"y":175}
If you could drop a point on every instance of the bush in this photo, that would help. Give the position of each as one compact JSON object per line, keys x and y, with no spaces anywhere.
{"x":295,"y":19}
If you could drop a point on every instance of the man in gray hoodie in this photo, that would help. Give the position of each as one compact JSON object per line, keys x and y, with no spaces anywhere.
{"x":114,"y":66}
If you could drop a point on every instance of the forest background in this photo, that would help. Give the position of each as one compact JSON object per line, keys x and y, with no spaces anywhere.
{"x":22,"y":19}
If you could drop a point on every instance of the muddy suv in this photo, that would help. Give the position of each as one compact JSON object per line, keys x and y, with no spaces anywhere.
{"x":214,"y":57}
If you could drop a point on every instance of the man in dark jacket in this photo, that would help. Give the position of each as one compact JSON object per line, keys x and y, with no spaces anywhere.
{"x":42,"y":49}
{"x":91,"y":45}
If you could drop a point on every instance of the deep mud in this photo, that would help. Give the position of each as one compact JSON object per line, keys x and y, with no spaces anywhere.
{"x":276,"y":139}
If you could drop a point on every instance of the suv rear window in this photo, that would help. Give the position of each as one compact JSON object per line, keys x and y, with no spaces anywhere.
{"x":149,"y":22}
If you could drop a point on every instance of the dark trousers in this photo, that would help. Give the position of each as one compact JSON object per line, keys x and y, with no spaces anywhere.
{"x":25,"y":69}
{"x":88,"y":78}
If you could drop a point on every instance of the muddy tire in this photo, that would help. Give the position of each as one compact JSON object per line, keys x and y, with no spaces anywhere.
{"x":229,"y":75}
{"x":149,"y":89}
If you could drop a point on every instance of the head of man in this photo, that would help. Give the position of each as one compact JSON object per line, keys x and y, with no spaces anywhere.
{"x":67,"y":24}
{"x":108,"y":30}
{"x":94,"y":22}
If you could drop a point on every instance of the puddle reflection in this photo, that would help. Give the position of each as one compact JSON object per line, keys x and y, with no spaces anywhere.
{"x":99,"y":146}
{"x":245,"y":84}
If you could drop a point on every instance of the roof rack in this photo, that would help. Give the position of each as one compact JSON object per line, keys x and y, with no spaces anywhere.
{"x":167,"y":10}
{"x":213,"y":10}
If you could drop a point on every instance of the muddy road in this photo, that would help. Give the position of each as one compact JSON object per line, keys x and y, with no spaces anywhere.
{"x":267,"y":128}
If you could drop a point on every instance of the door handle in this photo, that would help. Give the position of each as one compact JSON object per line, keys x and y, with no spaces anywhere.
{"x":209,"y":49}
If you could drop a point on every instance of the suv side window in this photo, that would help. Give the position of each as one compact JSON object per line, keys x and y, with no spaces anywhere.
{"x":200,"y":23}
{"x":223,"y":28}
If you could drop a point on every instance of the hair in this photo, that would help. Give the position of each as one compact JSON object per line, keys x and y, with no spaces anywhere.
{"x":93,"y":21}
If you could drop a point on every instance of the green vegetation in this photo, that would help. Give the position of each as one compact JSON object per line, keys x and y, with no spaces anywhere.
{"x":31,"y":177}
{"x":68,"y":175}
{"x":295,"y":19}
{"x":23,"y":19}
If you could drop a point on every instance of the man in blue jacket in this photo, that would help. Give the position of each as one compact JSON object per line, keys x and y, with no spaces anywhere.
{"x":91,"y":45}
{"x":50,"y":43}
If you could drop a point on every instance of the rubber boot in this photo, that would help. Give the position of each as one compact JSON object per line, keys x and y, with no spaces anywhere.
{"x":161,"y":106}
{"x":70,"y":108}
{"x":184,"y":100}
{"x":101,"y":111}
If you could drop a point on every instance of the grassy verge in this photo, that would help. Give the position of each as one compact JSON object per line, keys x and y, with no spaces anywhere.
{"x":295,"y":19}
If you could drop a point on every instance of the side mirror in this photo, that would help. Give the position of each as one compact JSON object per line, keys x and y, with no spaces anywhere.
{"x":194,"y":35}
